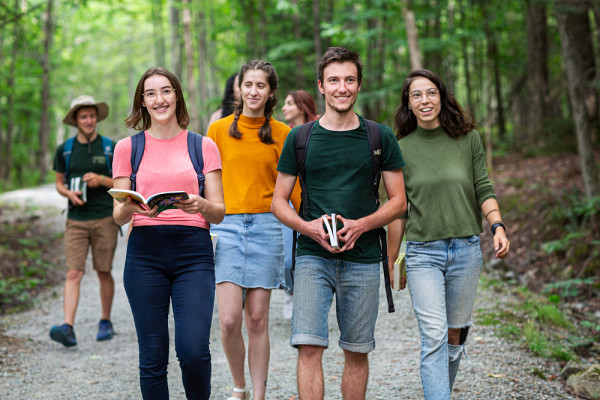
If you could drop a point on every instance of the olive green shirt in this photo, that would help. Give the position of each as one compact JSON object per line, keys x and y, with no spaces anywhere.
{"x":446,"y":182}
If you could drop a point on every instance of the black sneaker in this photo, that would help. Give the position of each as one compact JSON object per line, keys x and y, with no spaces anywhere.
{"x":63,"y":334}
{"x":105,"y":330}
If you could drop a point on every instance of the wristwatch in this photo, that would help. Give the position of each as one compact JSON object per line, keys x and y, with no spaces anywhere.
{"x":496,"y":225}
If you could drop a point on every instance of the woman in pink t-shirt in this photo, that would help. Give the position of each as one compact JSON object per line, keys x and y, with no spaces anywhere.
{"x":169,"y":254}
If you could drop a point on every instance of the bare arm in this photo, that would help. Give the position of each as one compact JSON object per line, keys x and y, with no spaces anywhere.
{"x":212,"y":206}
{"x":491,"y":211}
{"x":280,"y":207}
{"x":395,"y":233}
{"x":63,"y":190}
{"x":392,"y":209}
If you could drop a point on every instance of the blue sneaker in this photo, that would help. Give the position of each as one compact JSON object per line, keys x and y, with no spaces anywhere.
{"x":63,"y":334}
{"x":105,"y":330}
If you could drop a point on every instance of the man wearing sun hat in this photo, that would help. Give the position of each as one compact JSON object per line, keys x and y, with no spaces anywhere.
{"x":83,"y":166}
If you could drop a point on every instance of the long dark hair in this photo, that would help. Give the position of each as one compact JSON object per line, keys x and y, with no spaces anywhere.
{"x":228,"y":99}
{"x":453,"y":118}
{"x":139,"y":119}
{"x":265,"y":130}
{"x":305,"y":103}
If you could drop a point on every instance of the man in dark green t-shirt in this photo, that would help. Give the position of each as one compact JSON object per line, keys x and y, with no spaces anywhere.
{"x":338,"y":180}
{"x":83,"y":176}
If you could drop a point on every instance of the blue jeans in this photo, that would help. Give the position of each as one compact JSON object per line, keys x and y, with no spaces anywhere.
{"x":442,"y":279}
{"x":164,"y":264}
{"x":356,"y":287}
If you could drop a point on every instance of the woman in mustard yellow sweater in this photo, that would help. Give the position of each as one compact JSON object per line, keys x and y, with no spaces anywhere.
{"x":249,"y":253}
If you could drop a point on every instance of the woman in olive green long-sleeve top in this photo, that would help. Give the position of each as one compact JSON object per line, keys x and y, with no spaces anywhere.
{"x":448,"y":189}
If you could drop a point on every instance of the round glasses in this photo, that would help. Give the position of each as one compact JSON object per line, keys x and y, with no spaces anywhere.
{"x":152,"y":95}
{"x":417,"y":95}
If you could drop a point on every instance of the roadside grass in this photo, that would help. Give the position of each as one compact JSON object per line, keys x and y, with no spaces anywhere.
{"x":29,"y":255}
{"x":537,"y":323}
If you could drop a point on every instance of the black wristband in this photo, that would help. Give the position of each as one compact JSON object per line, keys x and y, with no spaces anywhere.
{"x":496,"y":225}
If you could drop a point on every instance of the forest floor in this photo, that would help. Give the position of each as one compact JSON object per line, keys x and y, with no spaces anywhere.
{"x":532,"y":192}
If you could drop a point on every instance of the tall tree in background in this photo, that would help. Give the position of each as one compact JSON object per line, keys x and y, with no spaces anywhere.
{"x":318,"y":45}
{"x":416,"y":59}
{"x":157,"y":28}
{"x":176,"y":45}
{"x":189,"y":63}
{"x":570,"y":17}
{"x":43,"y":158}
{"x":11,"y":94}
{"x":494,"y":59}
{"x":537,"y":69}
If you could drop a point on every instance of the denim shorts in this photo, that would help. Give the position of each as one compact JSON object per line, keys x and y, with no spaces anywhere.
{"x":249,"y":251}
{"x":356,"y":288}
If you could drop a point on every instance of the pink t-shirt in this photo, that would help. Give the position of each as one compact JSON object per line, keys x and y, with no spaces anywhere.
{"x":166,"y":166}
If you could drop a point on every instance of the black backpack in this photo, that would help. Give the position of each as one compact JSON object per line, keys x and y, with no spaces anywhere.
{"x":374,"y":138}
{"x":194,"y":142}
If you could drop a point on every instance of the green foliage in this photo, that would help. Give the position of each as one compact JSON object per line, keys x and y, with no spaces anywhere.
{"x":568,"y":288}
{"x":530,"y":319}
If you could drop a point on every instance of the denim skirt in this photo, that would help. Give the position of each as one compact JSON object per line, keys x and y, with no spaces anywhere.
{"x":249,"y":251}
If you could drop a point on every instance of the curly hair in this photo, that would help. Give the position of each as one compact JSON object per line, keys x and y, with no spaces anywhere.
{"x":453,"y":118}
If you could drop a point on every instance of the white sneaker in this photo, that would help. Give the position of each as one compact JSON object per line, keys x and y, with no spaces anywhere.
{"x":288,"y":306}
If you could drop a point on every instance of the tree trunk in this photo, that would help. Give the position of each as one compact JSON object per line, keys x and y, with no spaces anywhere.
{"x":43,"y":159}
{"x":416,"y":60}
{"x":448,"y":63}
{"x":493,"y":56}
{"x":202,"y":68}
{"x":10,"y":92}
{"x":537,"y":70}
{"x":318,"y":48}
{"x":175,"y":39}
{"x":157,"y":32}
{"x":569,"y":18}
{"x":189,"y":63}
{"x":433,"y":57}
{"x":466,"y":62}
{"x":298,"y":57}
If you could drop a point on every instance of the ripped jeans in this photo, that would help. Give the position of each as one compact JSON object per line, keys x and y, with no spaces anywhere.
{"x":442,"y":279}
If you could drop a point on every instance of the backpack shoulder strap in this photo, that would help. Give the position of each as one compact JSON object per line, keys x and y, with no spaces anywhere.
{"x":374,"y":137}
{"x":302,"y":139}
{"x":107,"y":148}
{"x":138,"y":142}
{"x":67,"y":150}
{"x":194,"y":141}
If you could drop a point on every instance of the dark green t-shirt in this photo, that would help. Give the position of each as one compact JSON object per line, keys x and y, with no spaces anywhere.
{"x":339,"y":180}
{"x":83,"y":160}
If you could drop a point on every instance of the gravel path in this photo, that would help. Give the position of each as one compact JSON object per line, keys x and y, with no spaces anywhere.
{"x":43,"y":369}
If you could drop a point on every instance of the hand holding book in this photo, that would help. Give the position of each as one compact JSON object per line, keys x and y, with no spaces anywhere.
{"x":163,"y":201}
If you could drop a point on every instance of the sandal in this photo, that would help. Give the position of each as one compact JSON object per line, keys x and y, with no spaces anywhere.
{"x":245,"y":396}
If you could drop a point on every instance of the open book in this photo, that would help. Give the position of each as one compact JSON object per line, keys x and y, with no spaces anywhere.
{"x":164,"y":200}
{"x":332,"y":231}
{"x":399,"y":271}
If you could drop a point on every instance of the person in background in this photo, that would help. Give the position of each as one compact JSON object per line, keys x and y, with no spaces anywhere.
{"x":298,"y":108}
{"x":169,"y":255}
{"x":83,"y":175}
{"x":448,"y":189}
{"x":232,"y":93}
{"x":249,"y":253}
{"x":339,"y":179}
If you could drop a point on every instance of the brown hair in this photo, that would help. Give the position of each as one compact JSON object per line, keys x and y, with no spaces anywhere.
{"x":264,"y":132}
{"x":305,"y":103}
{"x":139,"y":119}
{"x":453,"y":118}
{"x":340,"y":55}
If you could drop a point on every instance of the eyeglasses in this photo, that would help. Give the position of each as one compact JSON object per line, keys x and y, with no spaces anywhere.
{"x":416,"y":95}
{"x":166,"y":93}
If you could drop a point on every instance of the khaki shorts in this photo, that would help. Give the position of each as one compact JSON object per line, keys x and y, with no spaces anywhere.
{"x":101,"y":234}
